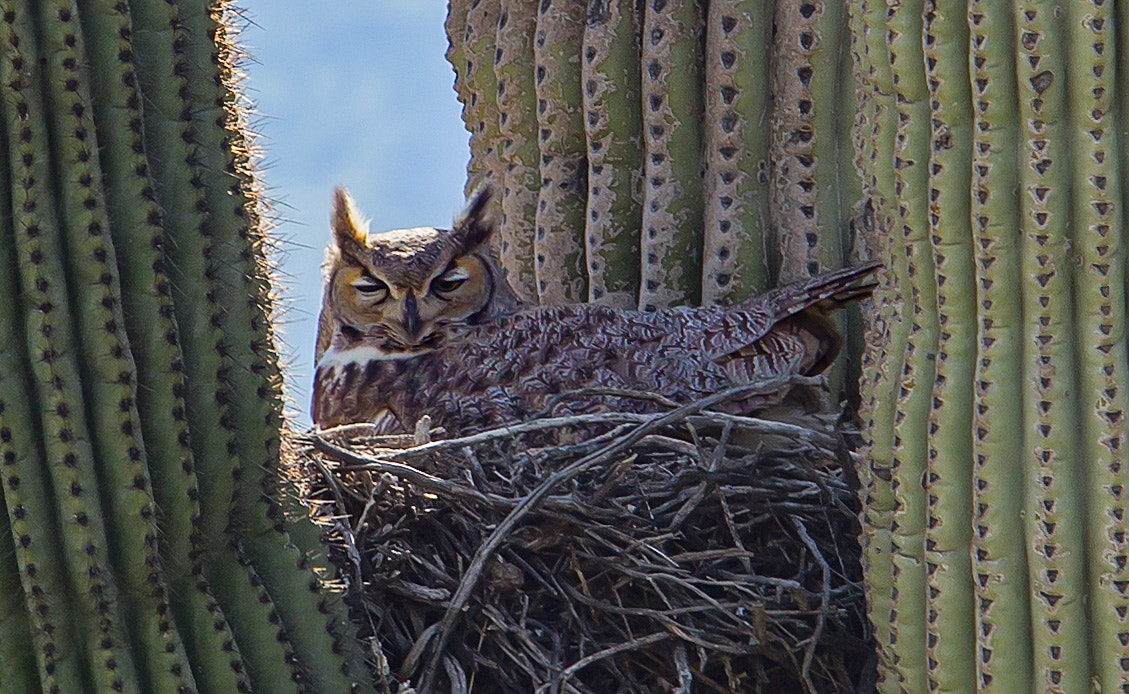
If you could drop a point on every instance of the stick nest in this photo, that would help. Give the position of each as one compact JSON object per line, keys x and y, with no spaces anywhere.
{"x":683,"y":550}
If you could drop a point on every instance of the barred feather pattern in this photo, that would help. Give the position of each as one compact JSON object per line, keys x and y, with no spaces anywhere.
{"x":507,"y":369}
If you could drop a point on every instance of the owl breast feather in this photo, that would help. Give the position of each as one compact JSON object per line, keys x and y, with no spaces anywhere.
{"x":508,"y":369}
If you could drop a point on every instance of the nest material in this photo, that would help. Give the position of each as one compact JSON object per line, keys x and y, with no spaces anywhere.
{"x":680,"y":551}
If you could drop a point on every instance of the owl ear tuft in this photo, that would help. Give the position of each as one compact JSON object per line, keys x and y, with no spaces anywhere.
{"x":349,"y":229}
{"x":476,"y":223}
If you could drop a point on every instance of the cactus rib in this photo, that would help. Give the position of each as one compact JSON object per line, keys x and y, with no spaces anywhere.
{"x":948,"y":535}
{"x":1054,"y":515}
{"x":735,"y":254}
{"x":561,"y":205}
{"x":672,"y":122}
{"x":613,"y":126}
{"x":517,"y":125}
{"x":794,"y":186}
{"x":888,"y":330}
{"x":1003,"y":617}
{"x":912,"y":409}
{"x":1100,"y":311}
{"x":805,"y":146}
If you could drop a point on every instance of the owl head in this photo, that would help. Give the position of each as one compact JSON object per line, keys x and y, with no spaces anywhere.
{"x":410,"y":291}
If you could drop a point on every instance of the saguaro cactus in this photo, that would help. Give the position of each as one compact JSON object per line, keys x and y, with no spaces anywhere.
{"x":996,"y":412}
{"x":994,"y":402}
{"x":149,"y":548}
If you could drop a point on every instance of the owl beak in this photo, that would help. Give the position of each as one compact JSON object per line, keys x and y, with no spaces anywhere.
{"x":411,"y":316}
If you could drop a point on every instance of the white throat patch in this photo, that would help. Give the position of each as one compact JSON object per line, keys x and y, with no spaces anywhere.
{"x":336,"y":359}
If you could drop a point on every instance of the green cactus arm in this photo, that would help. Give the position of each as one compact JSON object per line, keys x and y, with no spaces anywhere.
{"x":135,"y":223}
{"x":672,"y":120}
{"x":517,"y":125}
{"x":313,"y":616}
{"x":735,"y":254}
{"x":53,"y":356}
{"x":1003,"y":613}
{"x":34,"y":549}
{"x":913,"y":396}
{"x":1099,"y":303}
{"x":613,"y":126}
{"x":107,"y":369}
{"x":948,"y":536}
{"x":562,"y":202}
{"x":1054,"y":503}
{"x":158,"y":44}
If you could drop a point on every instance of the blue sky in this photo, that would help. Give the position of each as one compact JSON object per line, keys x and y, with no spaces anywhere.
{"x":357,"y":93}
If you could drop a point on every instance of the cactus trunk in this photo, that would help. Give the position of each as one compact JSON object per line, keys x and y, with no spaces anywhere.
{"x":988,"y":173}
{"x":1019,"y":306}
{"x":140,"y":410}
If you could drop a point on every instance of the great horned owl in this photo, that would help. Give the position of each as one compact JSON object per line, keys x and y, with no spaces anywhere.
{"x":421,"y":321}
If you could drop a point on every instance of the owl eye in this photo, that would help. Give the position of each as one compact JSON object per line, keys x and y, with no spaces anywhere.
{"x":449,"y":281}
{"x":370,"y":287}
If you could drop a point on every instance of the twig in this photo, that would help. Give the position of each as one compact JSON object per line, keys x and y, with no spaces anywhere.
{"x":626,"y":394}
{"x":407,"y":472}
{"x":474,"y":570}
{"x":438,"y":485}
{"x":343,"y":524}
{"x":618,"y":648}
{"x":825,"y":604}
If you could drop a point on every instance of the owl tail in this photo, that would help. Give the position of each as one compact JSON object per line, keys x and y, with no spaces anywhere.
{"x":792,"y":328}
{"x":806,"y":312}
{"x":826,"y":292}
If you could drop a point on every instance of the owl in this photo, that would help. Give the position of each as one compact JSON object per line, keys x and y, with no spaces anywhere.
{"x":421,"y":321}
